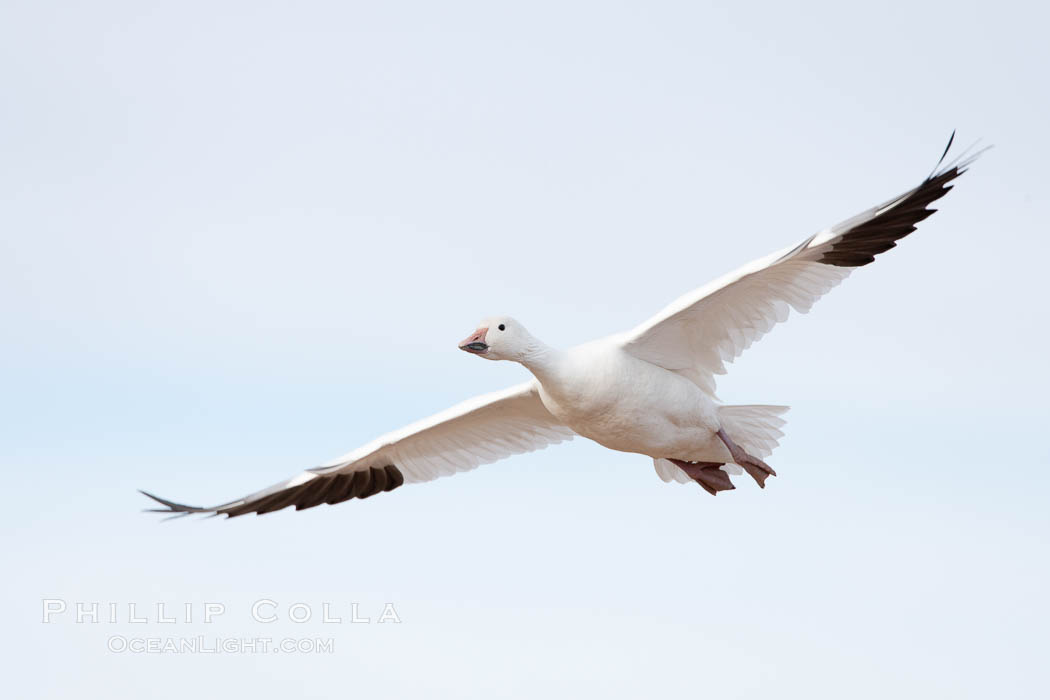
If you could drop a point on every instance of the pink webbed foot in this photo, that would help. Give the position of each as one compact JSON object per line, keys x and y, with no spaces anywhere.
{"x":759,"y":470}
{"x":708,"y":474}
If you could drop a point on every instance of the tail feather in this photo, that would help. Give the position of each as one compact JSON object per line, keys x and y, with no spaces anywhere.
{"x":755,"y":428}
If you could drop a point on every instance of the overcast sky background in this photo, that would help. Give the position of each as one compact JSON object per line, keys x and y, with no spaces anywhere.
{"x":239,"y":239}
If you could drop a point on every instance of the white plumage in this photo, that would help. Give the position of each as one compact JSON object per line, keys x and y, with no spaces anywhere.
{"x":649,"y":391}
{"x":478,"y":431}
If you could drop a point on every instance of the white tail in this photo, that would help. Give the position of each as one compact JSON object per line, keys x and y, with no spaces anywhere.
{"x":757,"y":429}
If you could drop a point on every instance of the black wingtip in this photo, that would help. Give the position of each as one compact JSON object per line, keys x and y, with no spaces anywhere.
{"x":858,"y":245}
{"x":963,"y":160}
{"x":951,"y":140}
{"x":158,"y":499}
{"x":171,"y":506}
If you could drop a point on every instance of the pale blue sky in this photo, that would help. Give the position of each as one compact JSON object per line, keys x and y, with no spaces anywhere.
{"x":239,"y":239}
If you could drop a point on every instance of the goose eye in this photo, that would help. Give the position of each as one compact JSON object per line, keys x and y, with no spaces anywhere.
{"x":502,"y":327}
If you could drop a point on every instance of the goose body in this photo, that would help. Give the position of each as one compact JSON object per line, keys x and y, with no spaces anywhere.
{"x":649,"y":391}
{"x":623,"y":403}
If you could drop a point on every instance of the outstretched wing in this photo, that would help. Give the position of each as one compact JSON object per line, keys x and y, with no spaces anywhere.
{"x":478,"y":431}
{"x":700,"y":332}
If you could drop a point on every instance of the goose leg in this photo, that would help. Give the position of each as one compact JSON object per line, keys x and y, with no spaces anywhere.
{"x":758,"y":469}
{"x":708,"y":474}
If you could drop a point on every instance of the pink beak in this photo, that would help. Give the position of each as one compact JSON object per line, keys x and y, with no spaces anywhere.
{"x":475,"y":344}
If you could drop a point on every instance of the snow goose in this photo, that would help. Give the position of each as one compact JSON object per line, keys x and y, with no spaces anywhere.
{"x":648,"y":391}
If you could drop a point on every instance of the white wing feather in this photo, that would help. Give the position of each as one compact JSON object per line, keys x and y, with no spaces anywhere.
{"x":478,"y":431}
{"x":700,"y":332}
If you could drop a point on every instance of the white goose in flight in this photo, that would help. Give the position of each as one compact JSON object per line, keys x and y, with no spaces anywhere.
{"x":649,"y":391}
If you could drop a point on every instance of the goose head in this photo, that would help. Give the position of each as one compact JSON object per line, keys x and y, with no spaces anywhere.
{"x":499,"y":338}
